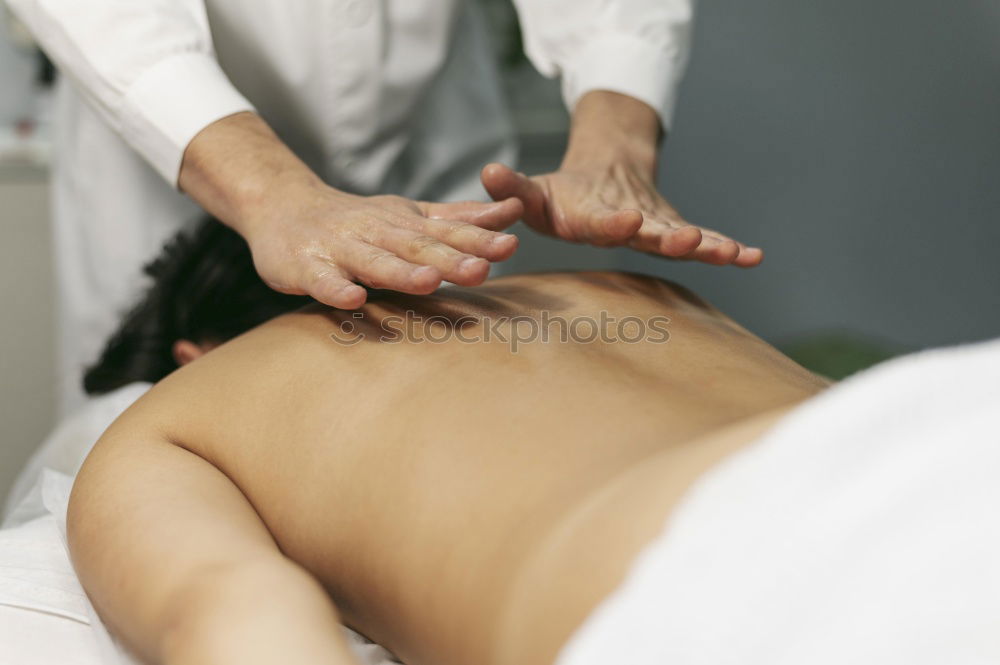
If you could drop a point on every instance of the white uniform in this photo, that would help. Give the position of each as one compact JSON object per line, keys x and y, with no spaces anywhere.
{"x":378,"y":96}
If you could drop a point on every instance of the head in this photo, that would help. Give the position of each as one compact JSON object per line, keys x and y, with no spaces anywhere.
{"x":204,"y":292}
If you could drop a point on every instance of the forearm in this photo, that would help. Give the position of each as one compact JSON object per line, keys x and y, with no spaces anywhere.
{"x":608,"y":127}
{"x":237,"y":166}
{"x":255,"y":612}
{"x":152,"y":75}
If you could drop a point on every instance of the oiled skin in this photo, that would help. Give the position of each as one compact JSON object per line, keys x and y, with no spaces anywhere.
{"x":462,"y":503}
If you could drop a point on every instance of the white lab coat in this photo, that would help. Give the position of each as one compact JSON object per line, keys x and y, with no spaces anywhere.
{"x":378,"y":96}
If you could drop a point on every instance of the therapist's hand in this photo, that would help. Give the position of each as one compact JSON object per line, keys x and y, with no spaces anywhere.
{"x":322,"y":241}
{"x":311,"y":239}
{"x":604,"y":193}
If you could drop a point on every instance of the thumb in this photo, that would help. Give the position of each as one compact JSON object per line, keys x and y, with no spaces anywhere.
{"x":605,"y":226}
{"x":503,"y":182}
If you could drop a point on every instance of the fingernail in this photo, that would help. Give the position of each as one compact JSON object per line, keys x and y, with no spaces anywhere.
{"x":502,"y":238}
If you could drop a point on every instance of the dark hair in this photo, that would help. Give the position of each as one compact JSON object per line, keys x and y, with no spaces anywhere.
{"x":205,"y":289}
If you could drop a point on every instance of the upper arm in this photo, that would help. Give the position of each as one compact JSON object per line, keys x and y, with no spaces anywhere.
{"x":148,"y":68}
{"x":146,"y":518}
{"x":175,"y":558}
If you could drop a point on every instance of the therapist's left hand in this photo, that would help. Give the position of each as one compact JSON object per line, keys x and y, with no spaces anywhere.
{"x":604,"y":193}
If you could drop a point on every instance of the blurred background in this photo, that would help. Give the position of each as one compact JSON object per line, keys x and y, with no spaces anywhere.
{"x":856,"y":141}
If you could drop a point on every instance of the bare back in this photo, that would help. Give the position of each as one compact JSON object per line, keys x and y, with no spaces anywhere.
{"x":461,"y":501}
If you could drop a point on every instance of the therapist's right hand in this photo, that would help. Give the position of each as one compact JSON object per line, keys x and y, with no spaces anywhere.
{"x":308,"y":238}
{"x":322,"y":241}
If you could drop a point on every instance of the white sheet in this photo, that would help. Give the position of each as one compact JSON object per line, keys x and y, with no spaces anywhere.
{"x":864,"y":529}
{"x":43,"y":611}
{"x":67,"y":446}
{"x":38,"y":638}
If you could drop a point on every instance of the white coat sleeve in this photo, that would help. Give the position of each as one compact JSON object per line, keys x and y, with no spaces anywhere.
{"x":635,"y":47}
{"x":148,"y":67}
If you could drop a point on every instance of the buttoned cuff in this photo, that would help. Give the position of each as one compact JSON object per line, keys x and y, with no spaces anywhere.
{"x":171,"y":102}
{"x":625,"y":64}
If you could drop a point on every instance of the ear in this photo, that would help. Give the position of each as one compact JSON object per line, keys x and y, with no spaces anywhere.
{"x":186,"y":351}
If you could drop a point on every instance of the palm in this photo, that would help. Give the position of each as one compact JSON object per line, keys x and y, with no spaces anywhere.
{"x":613,"y":206}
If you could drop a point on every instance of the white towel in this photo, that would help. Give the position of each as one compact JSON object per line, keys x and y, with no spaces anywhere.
{"x":65,"y":448}
{"x":863,"y":529}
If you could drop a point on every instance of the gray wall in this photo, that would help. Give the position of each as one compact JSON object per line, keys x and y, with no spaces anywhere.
{"x":27,"y":374}
{"x":17,"y":71}
{"x":858,"y":142}
{"x":27,"y":340}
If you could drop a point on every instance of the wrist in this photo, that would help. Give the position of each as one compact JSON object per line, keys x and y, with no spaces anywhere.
{"x":608,"y":127}
{"x":237,"y":169}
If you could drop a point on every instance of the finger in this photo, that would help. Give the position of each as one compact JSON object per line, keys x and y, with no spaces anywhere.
{"x":468,"y":238}
{"x":722,"y":252}
{"x":381,"y":269}
{"x":717,"y":249}
{"x":464,"y":237}
{"x":714,"y":251}
{"x":502,"y":182}
{"x":330,"y":285}
{"x":680,"y":240}
{"x":496,"y":216}
{"x":673,"y":241}
{"x":608,"y":227}
{"x":749,"y":256}
{"x":420,"y":249}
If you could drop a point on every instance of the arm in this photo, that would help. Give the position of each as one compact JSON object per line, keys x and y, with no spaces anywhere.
{"x":180,"y":566}
{"x":309,"y":238}
{"x":621,"y":62}
{"x":152,"y":75}
{"x":637,"y":48}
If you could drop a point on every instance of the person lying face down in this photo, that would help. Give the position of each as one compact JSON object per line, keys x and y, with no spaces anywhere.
{"x":406,"y":471}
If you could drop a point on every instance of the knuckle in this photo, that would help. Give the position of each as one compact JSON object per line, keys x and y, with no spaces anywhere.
{"x":445,"y":230}
{"x":322,"y":271}
{"x":380,"y":259}
{"x":467,"y":232}
{"x":423,"y":244}
{"x":357,"y":227}
{"x":390,"y":200}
